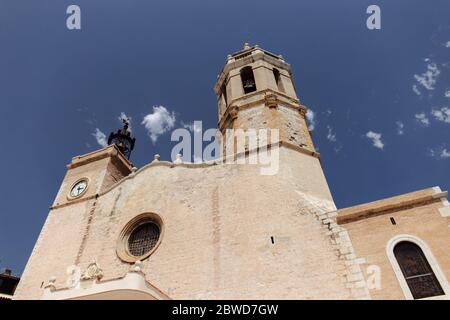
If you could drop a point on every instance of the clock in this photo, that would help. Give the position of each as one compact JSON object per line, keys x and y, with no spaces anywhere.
{"x":79,"y":188}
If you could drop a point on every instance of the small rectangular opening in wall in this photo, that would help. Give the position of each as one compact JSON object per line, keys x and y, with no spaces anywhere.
{"x":393,"y":221}
{"x":271,"y":239}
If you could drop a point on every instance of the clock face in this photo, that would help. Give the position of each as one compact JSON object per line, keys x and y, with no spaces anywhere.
{"x":79,"y":188}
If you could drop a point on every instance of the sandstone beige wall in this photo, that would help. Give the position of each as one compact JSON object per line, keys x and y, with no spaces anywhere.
{"x":218,"y":224}
{"x":424,"y":214}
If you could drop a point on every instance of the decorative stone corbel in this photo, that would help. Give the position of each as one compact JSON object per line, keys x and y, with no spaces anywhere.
{"x":302,"y":112}
{"x":234,"y":113}
{"x":271,"y":100}
{"x":92,"y":272}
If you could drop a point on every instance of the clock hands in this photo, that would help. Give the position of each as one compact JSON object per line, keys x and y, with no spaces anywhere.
{"x":78,"y":188}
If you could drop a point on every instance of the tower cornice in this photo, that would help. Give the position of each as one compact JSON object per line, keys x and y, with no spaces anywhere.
{"x":267,"y":97}
{"x":109,"y":151}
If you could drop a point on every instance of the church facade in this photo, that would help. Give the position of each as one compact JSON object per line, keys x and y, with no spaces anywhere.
{"x":211,"y":230}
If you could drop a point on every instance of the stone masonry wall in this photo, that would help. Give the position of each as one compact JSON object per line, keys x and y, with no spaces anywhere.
{"x":229,"y":233}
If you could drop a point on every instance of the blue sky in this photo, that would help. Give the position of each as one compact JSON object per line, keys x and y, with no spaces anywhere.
{"x":382,"y":117}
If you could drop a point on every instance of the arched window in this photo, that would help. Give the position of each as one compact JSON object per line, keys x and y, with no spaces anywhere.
{"x":223,"y":90}
{"x":277,"y":75}
{"x":248,"y":80}
{"x":419,"y":275}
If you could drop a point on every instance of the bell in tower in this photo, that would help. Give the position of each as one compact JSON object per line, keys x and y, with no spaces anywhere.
{"x":248,"y":80}
{"x":122,"y":139}
{"x":255,"y":90}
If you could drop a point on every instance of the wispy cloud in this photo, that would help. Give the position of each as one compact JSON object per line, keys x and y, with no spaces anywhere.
{"x":158,"y":122}
{"x":331,"y":136}
{"x":439,"y":153}
{"x":442,"y":114}
{"x":416,"y":90}
{"x":100,"y":137}
{"x":447,"y":94}
{"x":423,"y":119}
{"x":400,"y":128}
{"x":376,"y":139}
{"x":429,"y":77}
{"x":311,"y":116}
{"x":447,"y":44}
{"x":91,"y":120}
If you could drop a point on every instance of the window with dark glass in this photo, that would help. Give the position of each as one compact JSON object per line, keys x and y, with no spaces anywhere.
{"x":419,"y":275}
{"x":248,"y":80}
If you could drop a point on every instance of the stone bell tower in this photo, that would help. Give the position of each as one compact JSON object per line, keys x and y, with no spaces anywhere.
{"x":255,"y":90}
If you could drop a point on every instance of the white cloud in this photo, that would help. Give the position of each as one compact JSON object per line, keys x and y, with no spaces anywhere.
{"x":311,"y":116}
{"x":440,"y":153}
{"x":447,"y":44}
{"x":428,"y":78}
{"x":193,"y":126}
{"x":376,"y":139}
{"x":100,"y":137}
{"x":122,"y":117}
{"x":445,"y":153}
{"x":423,"y":119}
{"x":331,"y":136}
{"x":158,"y":122}
{"x":400,"y":128}
{"x":416,"y":90}
{"x":442,"y":114}
{"x":447,"y":94}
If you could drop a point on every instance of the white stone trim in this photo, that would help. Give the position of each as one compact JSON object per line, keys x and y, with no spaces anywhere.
{"x":445,"y":212}
{"x":326,"y":213}
{"x":431,"y":260}
{"x":131,"y":286}
{"x":437,"y":189}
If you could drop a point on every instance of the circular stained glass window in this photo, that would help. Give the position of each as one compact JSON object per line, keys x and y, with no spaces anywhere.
{"x":143,"y":238}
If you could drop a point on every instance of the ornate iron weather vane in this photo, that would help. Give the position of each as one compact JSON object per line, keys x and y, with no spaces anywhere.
{"x":122,"y":139}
